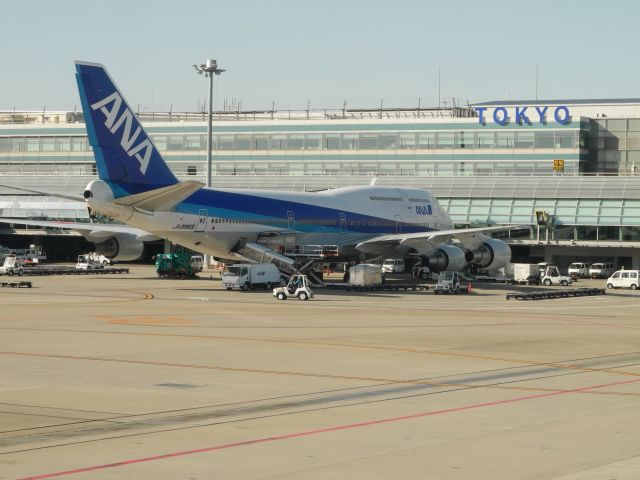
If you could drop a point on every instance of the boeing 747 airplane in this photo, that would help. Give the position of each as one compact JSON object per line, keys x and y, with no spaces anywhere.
{"x":137,"y":188}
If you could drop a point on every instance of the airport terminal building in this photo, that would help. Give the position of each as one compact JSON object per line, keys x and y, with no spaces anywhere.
{"x":489,"y":164}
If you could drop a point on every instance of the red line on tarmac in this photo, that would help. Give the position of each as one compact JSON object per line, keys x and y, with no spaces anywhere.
{"x":323,"y":430}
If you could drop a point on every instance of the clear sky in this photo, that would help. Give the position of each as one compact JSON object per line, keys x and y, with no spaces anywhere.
{"x":323,"y":51}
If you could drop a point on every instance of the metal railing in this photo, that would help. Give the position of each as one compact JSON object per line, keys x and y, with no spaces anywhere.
{"x":17,"y":117}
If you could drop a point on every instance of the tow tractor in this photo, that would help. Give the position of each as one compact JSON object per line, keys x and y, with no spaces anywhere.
{"x":551,"y":276}
{"x":298,"y":286}
{"x":449,"y":282}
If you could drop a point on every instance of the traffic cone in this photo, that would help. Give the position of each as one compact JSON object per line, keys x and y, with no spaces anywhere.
{"x":469,"y":288}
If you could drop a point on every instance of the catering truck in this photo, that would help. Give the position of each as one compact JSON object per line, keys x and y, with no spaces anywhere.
{"x":526,"y":273}
{"x":246,"y":276}
{"x":365,"y":275}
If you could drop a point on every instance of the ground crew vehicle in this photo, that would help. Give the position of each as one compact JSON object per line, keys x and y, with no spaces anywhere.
{"x":99,"y":258}
{"x":11,"y":266}
{"x":393,"y":265}
{"x":88,"y":262}
{"x":579,"y":270}
{"x":251,"y":275}
{"x":31,"y":255}
{"x":624,"y":279}
{"x":421,"y":272}
{"x":180,"y":264}
{"x":552,"y":277}
{"x":526,"y":273}
{"x":298,"y":286}
{"x":601,"y":270}
{"x":449,"y":282}
{"x":365,"y":275}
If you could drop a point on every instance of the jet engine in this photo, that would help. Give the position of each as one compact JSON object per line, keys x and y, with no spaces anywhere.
{"x":121,"y":247}
{"x":491,"y":254}
{"x":447,"y":258}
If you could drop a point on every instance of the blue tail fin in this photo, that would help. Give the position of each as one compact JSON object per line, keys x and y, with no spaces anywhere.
{"x":125,"y":156}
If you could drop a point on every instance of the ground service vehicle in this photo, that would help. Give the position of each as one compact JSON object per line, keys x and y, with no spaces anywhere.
{"x":88,"y":262}
{"x":552,"y":277}
{"x":365,"y":275}
{"x":180,"y":264}
{"x":31,"y":255}
{"x":11,"y":266}
{"x":526,"y":273}
{"x":99,"y":258}
{"x":579,"y":270}
{"x":624,"y":279}
{"x":422,"y":272}
{"x":601,"y":270}
{"x":298,"y":286}
{"x":251,"y":275}
{"x":449,"y":282}
{"x":393,"y":265}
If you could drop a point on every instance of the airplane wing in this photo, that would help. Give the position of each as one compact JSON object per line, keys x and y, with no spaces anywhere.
{"x":94,"y":230}
{"x":77,"y":198}
{"x":425,"y":241}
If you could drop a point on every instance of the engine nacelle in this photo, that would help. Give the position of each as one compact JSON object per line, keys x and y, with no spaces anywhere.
{"x":492,"y":254}
{"x":121,"y":247}
{"x":447,"y":258}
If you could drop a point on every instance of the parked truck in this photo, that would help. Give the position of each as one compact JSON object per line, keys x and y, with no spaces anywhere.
{"x":180,"y":264}
{"x":526,"y":273}
{"x":11,"y":266}
{"x":365,"y":275}
{"x":247,"y":276}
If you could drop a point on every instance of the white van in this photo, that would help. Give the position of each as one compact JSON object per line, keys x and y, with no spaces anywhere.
{"x":579,"y":270}
{"x":624,"y":279}
{"x":601,"y":270}
{"x":393,"y":265}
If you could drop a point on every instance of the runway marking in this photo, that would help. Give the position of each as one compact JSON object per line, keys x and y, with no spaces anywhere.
{"x":612,"y":325}
{"x":205,"y":367}
{"x":319,"y":431}
{"x":342,"y":345}
{"x":309,"y":374}
{"x":60,"y":298}
{"x":146,"y":320}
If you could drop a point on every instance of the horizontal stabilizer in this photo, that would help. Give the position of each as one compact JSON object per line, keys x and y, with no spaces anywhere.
{"x":163,"y":198}
{"x":75,"y":198}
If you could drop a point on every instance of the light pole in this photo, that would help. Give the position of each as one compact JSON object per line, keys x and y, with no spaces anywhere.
{"x":209,"y":68}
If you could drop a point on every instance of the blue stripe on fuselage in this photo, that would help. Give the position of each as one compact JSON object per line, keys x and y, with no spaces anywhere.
{"x":275,"y":213}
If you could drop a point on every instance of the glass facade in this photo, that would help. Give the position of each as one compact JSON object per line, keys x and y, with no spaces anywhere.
{"x":565,"y":211}
{"x":423,"y":148}
{"x":614,"y":145}
{"x":409,"y":141}
{"x":372,"y":148}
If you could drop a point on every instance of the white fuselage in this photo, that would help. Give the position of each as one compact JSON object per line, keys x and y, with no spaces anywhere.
{"x":215,"y":221}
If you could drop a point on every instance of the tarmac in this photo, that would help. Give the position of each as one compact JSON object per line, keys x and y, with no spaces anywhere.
{"x":135,"y":377}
